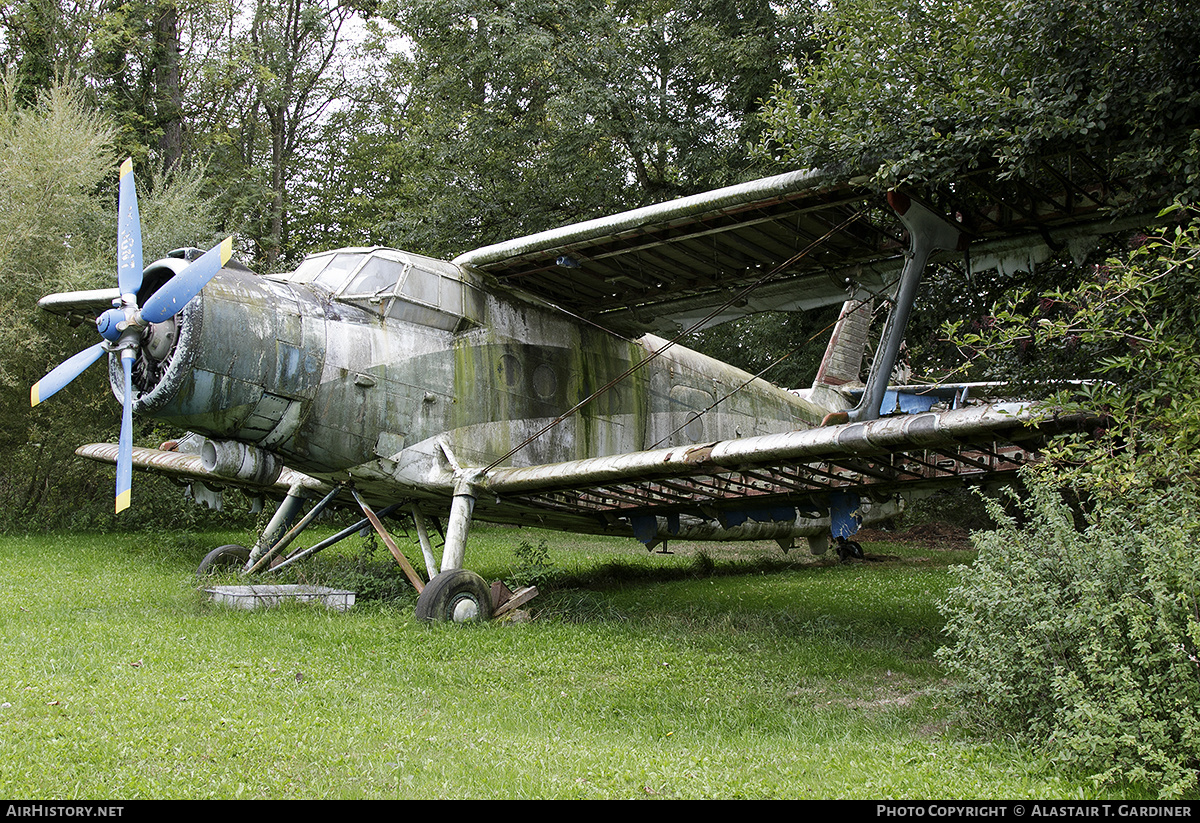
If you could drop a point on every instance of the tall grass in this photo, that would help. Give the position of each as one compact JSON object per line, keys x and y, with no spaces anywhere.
{"x":640,"y":676}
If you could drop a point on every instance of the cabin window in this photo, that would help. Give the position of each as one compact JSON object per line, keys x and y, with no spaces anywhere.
{"x":422,"y":286}
{"x":452,"y":296}
{"x":307,"y":270}
{"x":335,"y":272}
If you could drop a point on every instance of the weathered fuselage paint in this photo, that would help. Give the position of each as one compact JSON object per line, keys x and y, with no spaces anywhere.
{"x":340,"y":391}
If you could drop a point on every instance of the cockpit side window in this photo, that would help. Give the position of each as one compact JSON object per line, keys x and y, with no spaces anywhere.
{"x":334,"y":274}
{"x":422,"y":286}
{"x":377,"y":275}
{"x":307,"y":270}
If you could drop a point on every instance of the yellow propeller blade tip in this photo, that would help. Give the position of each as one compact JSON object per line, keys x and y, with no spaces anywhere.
{"x":127,"y":166}
{"x":35,"y":395}
{"x":123,"y":501}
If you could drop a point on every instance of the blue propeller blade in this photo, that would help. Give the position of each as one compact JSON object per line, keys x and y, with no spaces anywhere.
{"x":123,"y":325}
{"x":125,"y":445}
{"x":169,"y":300}
{"x":129,"y":234}
{"x":64,"y":373}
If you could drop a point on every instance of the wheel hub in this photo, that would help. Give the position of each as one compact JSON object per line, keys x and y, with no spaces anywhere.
{"x":464,"y":610}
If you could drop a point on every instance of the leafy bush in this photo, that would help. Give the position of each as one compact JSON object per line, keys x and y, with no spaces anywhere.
{"x":370,"y":573}
{"x":1130,"y":327}
{"x":1087,"y":639}
{"x":1079,"y":625}
{"x":536,"y":567}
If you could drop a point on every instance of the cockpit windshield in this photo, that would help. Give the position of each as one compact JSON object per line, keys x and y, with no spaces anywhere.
{"x":396,"y":284}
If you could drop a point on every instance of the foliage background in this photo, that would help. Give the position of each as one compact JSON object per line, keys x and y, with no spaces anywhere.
{"x":303,"y":125}
{"x":300,"y":125}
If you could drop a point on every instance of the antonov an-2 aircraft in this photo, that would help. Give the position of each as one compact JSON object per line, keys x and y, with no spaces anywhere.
{"x":525,"y":382}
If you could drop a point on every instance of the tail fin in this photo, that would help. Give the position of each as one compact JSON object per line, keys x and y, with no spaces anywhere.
{"x":842,"y":363}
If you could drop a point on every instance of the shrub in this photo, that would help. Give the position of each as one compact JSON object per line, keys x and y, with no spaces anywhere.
{"x":1078,"y":626}
{"x":370,"y":573}
{"x":1086,"y":639}
{"x":536,"y":566}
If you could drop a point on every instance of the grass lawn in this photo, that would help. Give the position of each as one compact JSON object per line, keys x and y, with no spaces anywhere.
{"x":641,"y":675}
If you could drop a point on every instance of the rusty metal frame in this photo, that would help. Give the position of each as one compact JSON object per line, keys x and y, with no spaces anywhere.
{"x":798,"y":483}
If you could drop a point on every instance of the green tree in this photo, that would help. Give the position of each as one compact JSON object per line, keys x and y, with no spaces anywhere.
{"x":57,"y":194}
{"x":921,"y":91}
{"x":45,"y":41}
{"x":56,"y":154}
{"x":135,"y":69}
{"x":511,"y":118}
{"x":268,"y":76}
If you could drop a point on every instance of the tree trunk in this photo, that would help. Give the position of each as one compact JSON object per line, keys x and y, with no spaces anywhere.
{"x":168,"y":96}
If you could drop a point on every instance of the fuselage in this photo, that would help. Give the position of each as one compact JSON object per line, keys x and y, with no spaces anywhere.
{"x":394,"y":370}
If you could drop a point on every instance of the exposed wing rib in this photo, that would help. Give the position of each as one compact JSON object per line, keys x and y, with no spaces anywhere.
{"x":662,"y":266}
{"x":800,"y":468}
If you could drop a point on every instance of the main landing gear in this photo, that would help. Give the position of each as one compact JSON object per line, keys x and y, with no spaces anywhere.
{"x":452,"y":595}
{"x":225,"y":558}
{"x":848,"y":548}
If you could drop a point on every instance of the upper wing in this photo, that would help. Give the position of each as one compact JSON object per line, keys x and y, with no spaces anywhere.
{"x":800,"y":239}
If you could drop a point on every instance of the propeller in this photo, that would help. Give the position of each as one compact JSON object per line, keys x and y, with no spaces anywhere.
{"x":123,"y":325}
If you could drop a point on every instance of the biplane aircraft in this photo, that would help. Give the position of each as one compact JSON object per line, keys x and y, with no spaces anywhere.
{"x":538,"y":381}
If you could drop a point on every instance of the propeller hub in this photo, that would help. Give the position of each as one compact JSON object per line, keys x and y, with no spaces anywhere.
{"x":111,"y":324}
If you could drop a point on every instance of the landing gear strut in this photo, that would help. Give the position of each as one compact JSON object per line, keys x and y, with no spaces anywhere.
{"x":456,"y":595}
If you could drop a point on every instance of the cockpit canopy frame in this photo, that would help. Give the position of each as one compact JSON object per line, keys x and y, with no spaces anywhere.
{"x":395,"y":284}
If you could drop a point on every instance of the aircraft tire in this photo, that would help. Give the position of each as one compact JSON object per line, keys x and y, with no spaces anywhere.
{"x":223,"y":558}
{"x":455,"y":596}
{"x":850,"y":549}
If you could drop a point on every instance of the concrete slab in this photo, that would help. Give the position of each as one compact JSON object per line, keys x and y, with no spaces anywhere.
{"x":255,"y":597}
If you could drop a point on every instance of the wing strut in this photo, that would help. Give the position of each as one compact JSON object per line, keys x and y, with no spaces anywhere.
{"x":928,"y":232}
